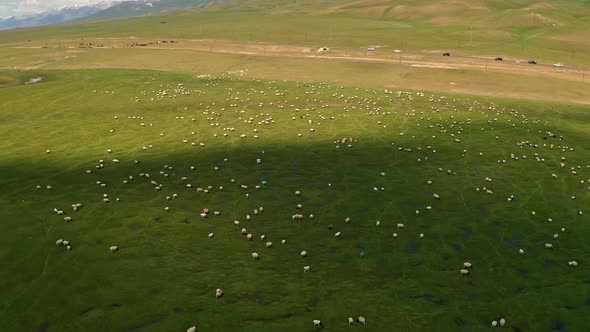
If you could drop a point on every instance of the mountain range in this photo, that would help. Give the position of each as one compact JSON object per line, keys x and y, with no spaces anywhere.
{"x":105,"y":10}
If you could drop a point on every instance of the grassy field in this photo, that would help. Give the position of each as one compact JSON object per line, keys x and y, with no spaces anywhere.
{"x":165,"y":275}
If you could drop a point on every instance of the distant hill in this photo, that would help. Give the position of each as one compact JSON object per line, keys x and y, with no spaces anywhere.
{"x":146,"y":7}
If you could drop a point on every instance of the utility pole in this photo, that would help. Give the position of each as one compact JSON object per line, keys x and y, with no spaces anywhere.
{"x":331,"y":32}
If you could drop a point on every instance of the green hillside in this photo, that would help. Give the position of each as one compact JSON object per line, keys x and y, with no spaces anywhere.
{"x":551,"y":30}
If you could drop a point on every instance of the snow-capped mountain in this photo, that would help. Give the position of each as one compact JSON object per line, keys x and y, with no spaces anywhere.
{"x":55,"y":16}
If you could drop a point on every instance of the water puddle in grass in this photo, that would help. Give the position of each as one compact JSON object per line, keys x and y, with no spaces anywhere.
{"x":466,"y":233}
{"x":456,"y":247}
{"x":513,"y":241}
{"x":430,"y":298}
{"x":43,"y":328}
{"x":523,"y":273}
{"x":412,"y":247}
{"x":549,"y":265}
{"x":557,"y":325}
{"x":87,"y":310}
{"x":34,"y":80}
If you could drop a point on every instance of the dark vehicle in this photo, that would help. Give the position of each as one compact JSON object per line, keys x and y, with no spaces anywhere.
{"x":498,"y":59}
{"x":532,"y":62}
{"x":447,"y":54}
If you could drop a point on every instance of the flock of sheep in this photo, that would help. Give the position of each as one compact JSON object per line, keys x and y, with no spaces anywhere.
{"x":313,"y":118}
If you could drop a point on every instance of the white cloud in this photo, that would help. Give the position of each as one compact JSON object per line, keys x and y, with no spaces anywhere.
{"x":24,"y":7}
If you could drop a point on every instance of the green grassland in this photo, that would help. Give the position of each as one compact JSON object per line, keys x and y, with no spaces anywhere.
{"x":550,"y":31}
{"x":165,"y":275}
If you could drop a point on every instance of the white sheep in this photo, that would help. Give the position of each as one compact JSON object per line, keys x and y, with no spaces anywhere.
{"x":394,"y":235}
{"x":303,"y":253}
{"x":317,"y":322}
{"x":306,"y":268}
{"x":192,"y":329}
{"x":244,"y":231}
{"x":361,"y":319}
{"x":464,"y":271}
{"x":350,"y":320}
{"x":467,"y":265}
{"x":255,"y":255}
{"x":283,"y":241}
{"x":378,"y":223}
{"x":494,"y":324}
{"x":68,"y":219}
{"x":114,"y":248}
{"x":337,"y":234}
{"x":268,"y":244}
{"x":262,"y":237}
{"x":548,"y":246}
{"x":421,"y":235}
{"x":400,"y":226}
{"x":218,"y":293}
{"x":436,"y":196}
{"x":520,"y":251}
{"x":211,"y":235}
{"x":59,"y":242}
{"x":249,"y":236}
{"x":502,"y":322}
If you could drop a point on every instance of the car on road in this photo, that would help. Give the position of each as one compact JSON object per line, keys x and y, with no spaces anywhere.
{"x":558,"y":65}
{"x":499,"y":59}
{"x":447,"y":54}
{"x":532,"y":62}
{"x":397,"y":51}
{"x":370,"y":49}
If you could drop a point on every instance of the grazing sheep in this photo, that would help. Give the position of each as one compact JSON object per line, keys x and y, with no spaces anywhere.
{"x":494,"y":324}
{"x":502,"y":322}
{"x":548,"y":246}
{"x":303,"y":253}
{"x":436,"y":196}
{"x":66,"y":243}
{"x":114,"y":248}
{"x":421,"y":235}
{"x":350,"y":320}
{"x":68,"y":219}
{"x":464,"y":271}
{"x":347,"y":220}
{"x":268,"y":244}
{"x":192,"y":329}
{"x":317,"y":322}
{"x":467,"y":265}
{"x":337,"y":234}
{"x":262,"y":237}
{"x":255,"y":255}
{"x":244,"y":231}
{"x":249,"y":237}
{"x":218,"y":293}
{"x":378,"y":223}
{"x":299,"y":206}
{"x":306,"y":268}
{"x":520,"y":251}
{"x":69,"y":247}
{"x":400,"y":226}
{"x":298,"y":193}
{"x":283,"y":241}
{"x":59,"y":242}
{"x":361,"y":319}
{"x":394,"y":234}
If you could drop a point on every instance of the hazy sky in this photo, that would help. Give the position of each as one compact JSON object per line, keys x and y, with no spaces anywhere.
{"x":24,"y":7}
